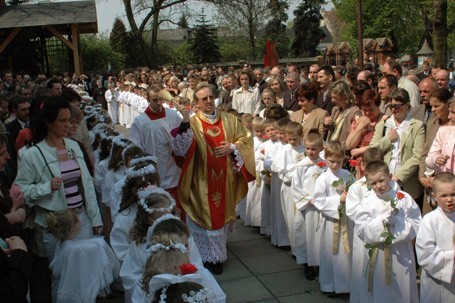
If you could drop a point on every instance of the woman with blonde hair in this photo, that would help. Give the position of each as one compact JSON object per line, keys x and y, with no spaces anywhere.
{"x":338,"y":124}
{"x":277,"y":85}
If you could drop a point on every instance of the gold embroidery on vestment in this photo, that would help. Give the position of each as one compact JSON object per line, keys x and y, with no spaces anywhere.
{"x":216,"y":198}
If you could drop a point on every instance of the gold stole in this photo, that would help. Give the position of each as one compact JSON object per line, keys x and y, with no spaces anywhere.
{"x":340,"y":228}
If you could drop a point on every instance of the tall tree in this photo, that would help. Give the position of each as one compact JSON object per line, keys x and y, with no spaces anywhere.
{"x":183,"y":21}
{"x":153,"y":8}
{"x":275,"y":30}
{"x":306,"y":28}
{"x":401,"y":21}
{"x":118,"y":37}
{"x":204,"y":44}
{"x":244,"y":17}
{"x":441,"y":30}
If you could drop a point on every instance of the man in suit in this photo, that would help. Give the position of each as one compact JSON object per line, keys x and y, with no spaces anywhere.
{"x":326,"y":76}
{"x":425,"y":71}
{"x":261,"y":84}
{"x":313,"y":73}
{"x":8,"y":83}
{"x":20,"y":107}
{"x":289,"y":100}
{"x":386,"y":85}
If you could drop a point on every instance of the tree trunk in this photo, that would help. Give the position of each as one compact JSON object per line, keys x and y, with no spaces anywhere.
{"x":147,"y":52}
{"x":440,"y":33}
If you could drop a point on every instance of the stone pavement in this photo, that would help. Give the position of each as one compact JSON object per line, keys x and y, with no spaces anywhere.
{"x":258,"y":272}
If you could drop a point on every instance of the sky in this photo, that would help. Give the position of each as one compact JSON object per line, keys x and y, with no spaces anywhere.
{"x":108,"y":10}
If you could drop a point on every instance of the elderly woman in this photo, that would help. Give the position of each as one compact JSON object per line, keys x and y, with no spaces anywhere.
{"x":362,"y":128}
{"x":310,"y":116}
{"x":53,"y":175}
{"x":401,"y":138}
{"x":277,"y":85}
{"x":338,"y":124}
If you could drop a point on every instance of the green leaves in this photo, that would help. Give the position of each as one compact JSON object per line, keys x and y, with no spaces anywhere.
{"x":338,"y":182}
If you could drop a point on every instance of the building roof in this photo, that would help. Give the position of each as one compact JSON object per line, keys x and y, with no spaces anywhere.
{"x":51,"y":13}
{"x":425,"y":50}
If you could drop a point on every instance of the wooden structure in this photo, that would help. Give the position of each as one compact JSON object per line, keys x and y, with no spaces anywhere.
{"x":337,"y":53}
{"x":379,"y":49}
{"x":38,"y":22}
{"x":425,"y":53}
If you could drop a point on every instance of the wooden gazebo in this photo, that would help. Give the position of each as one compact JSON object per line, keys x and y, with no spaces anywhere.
{"x":38,"y":22}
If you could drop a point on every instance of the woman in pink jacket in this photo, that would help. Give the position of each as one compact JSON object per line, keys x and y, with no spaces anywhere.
{"x":441,"y":157}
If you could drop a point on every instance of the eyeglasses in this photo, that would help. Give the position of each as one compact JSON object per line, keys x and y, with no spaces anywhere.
{"x":395,"y":106}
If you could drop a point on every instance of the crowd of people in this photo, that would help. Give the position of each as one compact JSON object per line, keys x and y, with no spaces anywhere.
{"x":351,"y":170}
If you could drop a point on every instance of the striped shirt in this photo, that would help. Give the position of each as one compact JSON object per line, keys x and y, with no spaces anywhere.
{"x":71,"y":174}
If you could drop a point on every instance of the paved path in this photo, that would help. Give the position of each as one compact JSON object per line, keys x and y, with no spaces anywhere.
{"x":258,"y":272}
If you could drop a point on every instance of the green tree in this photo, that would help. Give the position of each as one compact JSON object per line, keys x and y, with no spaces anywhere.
{"x":275,"y":30}
{"x":134,"y":55}
{"x":204,"y":43}
{"x":118,"y":38}
{"x":97,"y":53}
{"x":183,"y":21}
{"x":306,"y":28}
{"x":401,"y":21}
{"x":245,"y":18}
{"x":441,"y":29}
{"x":153,"y":9}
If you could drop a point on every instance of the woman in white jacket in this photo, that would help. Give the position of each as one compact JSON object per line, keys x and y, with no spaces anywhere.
{"x":53,"y":175}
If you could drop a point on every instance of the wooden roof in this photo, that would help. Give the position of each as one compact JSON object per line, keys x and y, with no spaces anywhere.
{"x":51,"y":13}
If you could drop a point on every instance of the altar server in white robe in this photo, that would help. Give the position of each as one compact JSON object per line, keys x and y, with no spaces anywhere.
{"x":336,"y":233}
{"x":112,"y":96}
{"x":307,"y":218}
{"x":266,"y":151}
{"x":284,"y":165}
{"x":388,"y":223}
{"x":355,"y":197}
{"x":253,"y":198}
{"x":279,"y":236}
{"x":435,"y":244}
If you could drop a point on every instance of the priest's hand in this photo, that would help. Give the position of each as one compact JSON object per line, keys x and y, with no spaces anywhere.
{"x":223,"y":150}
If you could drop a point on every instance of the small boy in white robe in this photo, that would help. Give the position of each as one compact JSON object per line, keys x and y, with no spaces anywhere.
{"x":279,"y":236}
{"x":388,"y":222}
{"x":435,"y":244}
{"x":355,"y":197}
{"x":266,"y":151}
{"x":307,"y":218}
{"x":283,"y":165}
{"x":253,"y":198}
{"x":336,"y":240}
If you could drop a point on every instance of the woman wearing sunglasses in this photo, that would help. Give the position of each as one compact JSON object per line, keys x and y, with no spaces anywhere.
{"x":401,"y":138}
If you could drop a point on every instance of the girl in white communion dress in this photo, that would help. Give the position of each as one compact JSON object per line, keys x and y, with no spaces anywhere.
{"x":81,"y":269}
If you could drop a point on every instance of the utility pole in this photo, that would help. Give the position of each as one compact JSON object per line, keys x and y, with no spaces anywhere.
{"x":360,"y":33}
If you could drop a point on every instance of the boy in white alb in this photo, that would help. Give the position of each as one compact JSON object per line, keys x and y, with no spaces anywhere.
{"x":435,"y":244}
{"x":266,"y":151}
{"x":283,"y":165}
{"x":354,"y":200}
{"x":388,"y":222}
{"x":330,"y":193}
{"x":307,"y":217}
{"x":253,"y":198}
{"x":279,"y":235}
{"x":151,"y":131}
